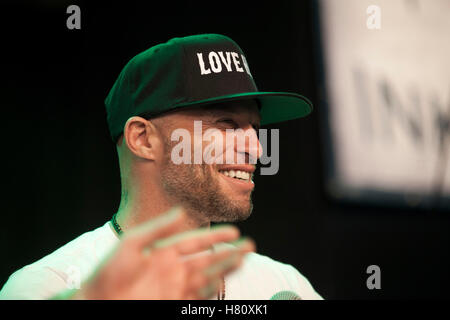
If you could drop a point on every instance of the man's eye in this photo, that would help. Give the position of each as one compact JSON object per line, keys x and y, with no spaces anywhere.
{"x":229,"y":122}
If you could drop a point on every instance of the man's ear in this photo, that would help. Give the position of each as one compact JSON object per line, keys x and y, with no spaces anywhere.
{"x":142,"y":138}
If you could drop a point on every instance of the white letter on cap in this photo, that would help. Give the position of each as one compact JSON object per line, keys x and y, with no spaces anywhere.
{"x":214,"y":62}
{"x":202,"y":64}
{"x":236,"y":62}
{"x":246,"y":65}
{"x":227,"y":61}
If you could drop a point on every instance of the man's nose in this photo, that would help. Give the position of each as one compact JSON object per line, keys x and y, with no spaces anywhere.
{"x":249,"y":145}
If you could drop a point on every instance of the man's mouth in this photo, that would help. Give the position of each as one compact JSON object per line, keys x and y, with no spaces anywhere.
{"x":237,"y":174}
{"x":242,"y":174}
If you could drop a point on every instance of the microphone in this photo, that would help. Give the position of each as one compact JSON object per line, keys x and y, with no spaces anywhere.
{"x":285,"y":295}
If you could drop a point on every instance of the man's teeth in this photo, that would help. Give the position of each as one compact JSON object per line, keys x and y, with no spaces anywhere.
{"x":237,"y":174}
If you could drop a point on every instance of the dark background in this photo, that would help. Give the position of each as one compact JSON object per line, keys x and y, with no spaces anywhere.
{"x":61,"y":176}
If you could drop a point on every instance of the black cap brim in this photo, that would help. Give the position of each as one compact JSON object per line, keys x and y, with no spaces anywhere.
{"x":275,"y":106}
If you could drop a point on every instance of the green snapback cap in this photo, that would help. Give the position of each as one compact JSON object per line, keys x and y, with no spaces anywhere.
{"x":193,"y":71}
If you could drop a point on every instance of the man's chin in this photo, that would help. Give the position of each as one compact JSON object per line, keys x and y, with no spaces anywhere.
{"x":234,"y":189}
{"x":207,"y":198}
{"x":235,"y":211}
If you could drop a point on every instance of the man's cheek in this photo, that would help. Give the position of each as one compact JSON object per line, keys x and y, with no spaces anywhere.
{"x":213,"y":146}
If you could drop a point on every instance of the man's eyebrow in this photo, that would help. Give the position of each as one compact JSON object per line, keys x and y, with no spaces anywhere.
{"x":223,"y":112}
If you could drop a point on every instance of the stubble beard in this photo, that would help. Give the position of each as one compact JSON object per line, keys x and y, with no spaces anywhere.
{"x":194,"y":187}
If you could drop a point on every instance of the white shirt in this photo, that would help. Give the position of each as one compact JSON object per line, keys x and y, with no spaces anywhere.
{"x":258,"y":278}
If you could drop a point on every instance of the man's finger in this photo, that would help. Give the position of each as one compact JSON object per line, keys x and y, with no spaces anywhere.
{"x":198,"y":240}
{"x":209,"y":290}
{"x":217,"y":263}
{"x":208,"y":271}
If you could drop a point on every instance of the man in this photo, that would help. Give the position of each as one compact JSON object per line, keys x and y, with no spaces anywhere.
{"x":159,"y":244}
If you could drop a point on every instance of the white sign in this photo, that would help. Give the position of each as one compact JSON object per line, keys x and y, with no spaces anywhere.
{"x":387,"y":71}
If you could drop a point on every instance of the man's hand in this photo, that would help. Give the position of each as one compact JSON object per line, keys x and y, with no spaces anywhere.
{"x":157,"y":261}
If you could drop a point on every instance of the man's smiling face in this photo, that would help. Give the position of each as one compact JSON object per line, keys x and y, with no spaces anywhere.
{"x":220,"y":191}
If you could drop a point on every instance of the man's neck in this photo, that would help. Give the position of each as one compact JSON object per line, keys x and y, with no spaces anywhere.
{"x":132,"y":213}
